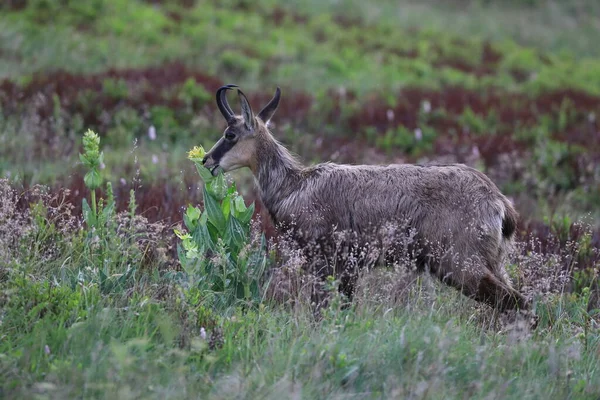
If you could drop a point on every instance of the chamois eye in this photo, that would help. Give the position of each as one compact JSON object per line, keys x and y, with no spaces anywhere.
{"x":230,"y":136}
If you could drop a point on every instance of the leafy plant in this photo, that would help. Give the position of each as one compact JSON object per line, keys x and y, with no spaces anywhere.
{"x":413,"y":143}
{"x":218,"y":252}
{"x":104,"y":247}
{"x":97,"y":215}
{"x":193,"y":94}
{"x":115,"y":88}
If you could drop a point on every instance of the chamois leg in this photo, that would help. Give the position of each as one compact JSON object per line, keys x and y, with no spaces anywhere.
{"x":347,"y":284}
{"x":480,"y":284}
{"x":498,"y":294}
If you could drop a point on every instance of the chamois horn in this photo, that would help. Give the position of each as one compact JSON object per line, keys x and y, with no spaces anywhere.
{"x":223,"y":104}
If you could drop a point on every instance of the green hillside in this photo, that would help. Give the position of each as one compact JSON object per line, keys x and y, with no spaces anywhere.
{"x":95,"y":302}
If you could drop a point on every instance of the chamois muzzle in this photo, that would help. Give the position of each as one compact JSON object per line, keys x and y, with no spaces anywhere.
{"x":224,"y":105}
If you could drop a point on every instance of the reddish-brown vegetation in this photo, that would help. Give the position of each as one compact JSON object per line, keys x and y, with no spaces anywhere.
{"x":348,"y":113}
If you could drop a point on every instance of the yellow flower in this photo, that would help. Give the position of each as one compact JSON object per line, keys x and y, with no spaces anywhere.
{"x":196,"y":154}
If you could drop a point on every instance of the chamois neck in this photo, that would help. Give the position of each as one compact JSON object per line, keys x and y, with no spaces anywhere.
{"x":277,"y":172}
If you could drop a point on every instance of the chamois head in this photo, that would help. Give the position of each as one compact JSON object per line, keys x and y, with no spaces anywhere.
{"x":237,"y":148}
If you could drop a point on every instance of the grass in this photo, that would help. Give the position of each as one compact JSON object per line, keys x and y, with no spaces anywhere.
{"x":268,"y":46}
{"x":432,"y":345}
{"x":389,"y":356}
{"x":95,"y":301}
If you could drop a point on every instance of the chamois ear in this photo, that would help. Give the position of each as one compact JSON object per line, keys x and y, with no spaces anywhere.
{"x":267,"y":113}
{"x":246,"y":111}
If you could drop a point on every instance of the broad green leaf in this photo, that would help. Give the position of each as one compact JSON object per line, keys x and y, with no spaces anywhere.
{"x":189,"y":245}
{"x":240,"y":206}
{"x":88,"y":215}
{"x":203,"y":218}
{"x":215,"y":215}
{"x":218,"y":187}
{"x":107,"y":212}
{"x":190,"y":218}
{"x":204,"y":173}
{"x":213,"y":232}
{"x":193,"y":213}
{"x":235,"y":235}
{"x":92,"y":179}
{"x":226,"y":206}
{"x":202,"y":237}
{"x":189,"y":224}
{"x":246,"y":216}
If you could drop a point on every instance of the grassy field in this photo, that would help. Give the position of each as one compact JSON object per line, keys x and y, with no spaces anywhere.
{"x":98,"y":296}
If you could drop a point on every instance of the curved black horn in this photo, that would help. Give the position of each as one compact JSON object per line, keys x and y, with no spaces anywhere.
{"x":223,"y":104}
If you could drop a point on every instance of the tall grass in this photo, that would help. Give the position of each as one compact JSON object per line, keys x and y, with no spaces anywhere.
{"x":97,"y":302}
{"x":105,"y":319}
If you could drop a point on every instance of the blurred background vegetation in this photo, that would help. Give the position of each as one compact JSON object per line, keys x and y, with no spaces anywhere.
{"x":509,"y":87}
{"x":512,"y":88}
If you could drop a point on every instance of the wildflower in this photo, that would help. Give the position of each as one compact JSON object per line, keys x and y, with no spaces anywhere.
{"x":418,"y":134}
{"x":152,"y":132}
{"x":390,"y":115}
{"x":196,"y":154}
{"x":426,"y":106}
{"x":203,"y":333}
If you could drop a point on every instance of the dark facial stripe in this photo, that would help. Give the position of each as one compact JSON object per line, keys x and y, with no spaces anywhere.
{"x":221,"y":149}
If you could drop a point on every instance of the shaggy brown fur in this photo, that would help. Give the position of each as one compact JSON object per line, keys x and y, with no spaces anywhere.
{"x":451,"y":219}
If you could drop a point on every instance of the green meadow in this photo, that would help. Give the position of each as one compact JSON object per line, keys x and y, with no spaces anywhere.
{"x":126,"y":273}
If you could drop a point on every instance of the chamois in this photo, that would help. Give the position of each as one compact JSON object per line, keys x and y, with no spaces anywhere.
{"x":460,"y":225}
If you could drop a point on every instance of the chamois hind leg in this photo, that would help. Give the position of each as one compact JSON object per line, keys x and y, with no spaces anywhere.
{"x":473,"y":265}
{"x":499,"y":294}
{"x":478,"y":282}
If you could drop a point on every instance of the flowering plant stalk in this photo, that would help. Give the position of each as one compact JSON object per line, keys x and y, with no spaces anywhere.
{"x":92,"y":158}
{"x":217,"y":251}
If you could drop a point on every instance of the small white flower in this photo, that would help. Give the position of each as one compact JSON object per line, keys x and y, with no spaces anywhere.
{"x":123,"y":181}
{"x":418,"y":134}
{"x":152,"y":132}
{"x":390,"y":115}
{"x":47,"y":350}
{"x":154,"y":159}
{"x":102,"y":166}
{"x":203,"y":333}
{"x":426,"y":106}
